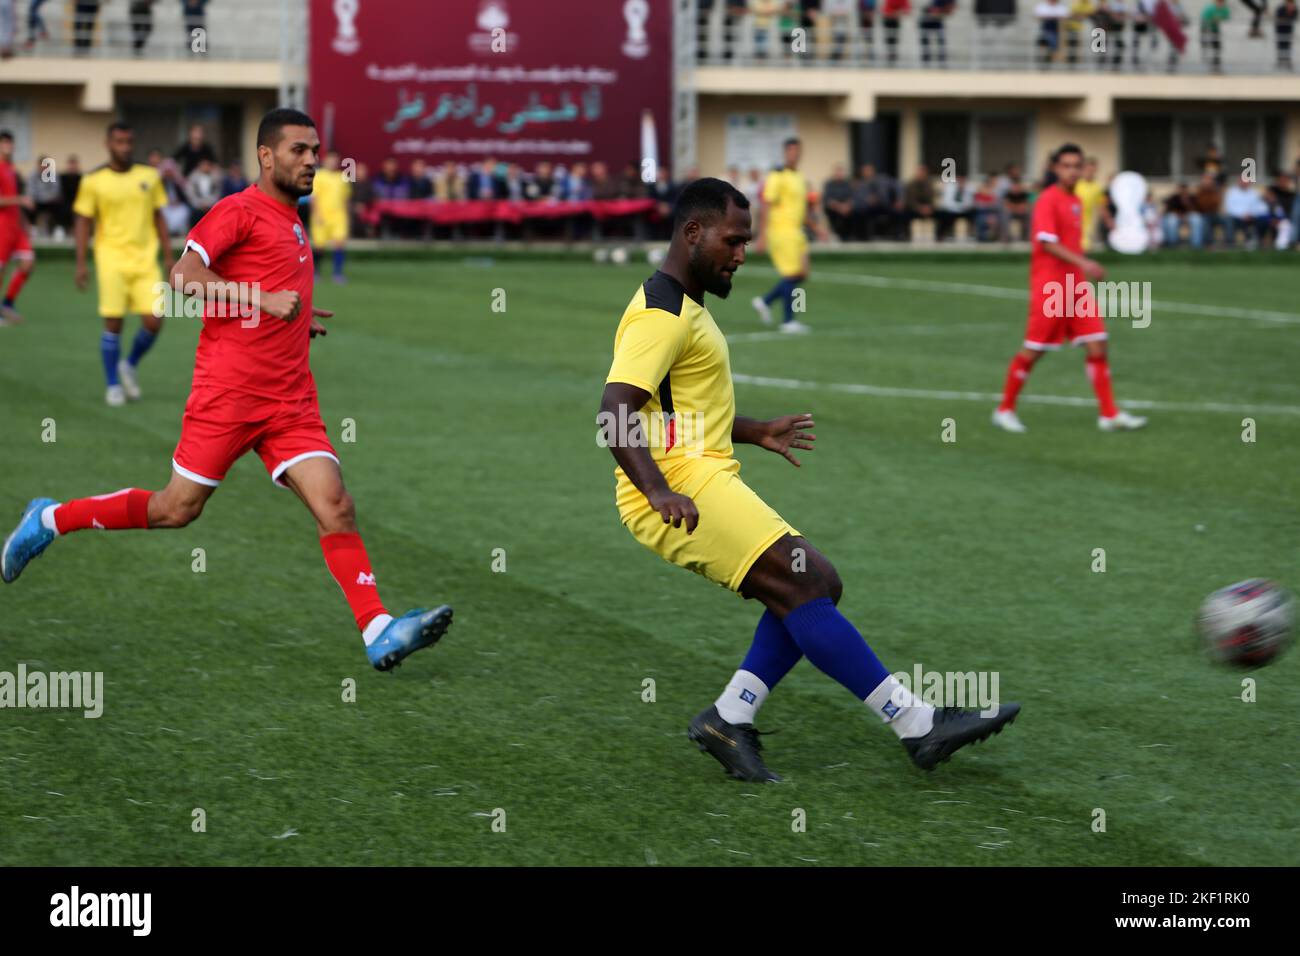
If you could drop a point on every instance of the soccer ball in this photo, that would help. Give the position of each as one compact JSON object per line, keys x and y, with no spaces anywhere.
{"x":1247,"y":624}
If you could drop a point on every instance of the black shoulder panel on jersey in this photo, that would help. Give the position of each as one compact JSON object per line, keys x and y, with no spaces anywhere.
{"x":664,"y":292}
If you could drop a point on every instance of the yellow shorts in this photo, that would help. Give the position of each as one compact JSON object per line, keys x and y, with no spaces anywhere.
{"x":135,"y":291}
{"x":327,"y":230}
{"x":736,"y":526}
{"x":789,"y":252}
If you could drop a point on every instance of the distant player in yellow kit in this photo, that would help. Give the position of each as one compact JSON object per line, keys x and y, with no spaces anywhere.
{"x":123,"y":200}
{"x":784,"y":214}
{"x":1092,"y":201}
{"x":330,"y":197}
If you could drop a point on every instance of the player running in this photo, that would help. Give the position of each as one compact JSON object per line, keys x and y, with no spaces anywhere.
{"x":253,"y":390}
{"x":330,"y":197}
{"x":124,"y":201}
{"x":1062,"y":303}
{"x":15,"y":243}
{"x":782,"y":218}
{"x":680,"y":494}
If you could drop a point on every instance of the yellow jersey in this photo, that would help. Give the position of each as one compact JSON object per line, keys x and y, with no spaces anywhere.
{"x":330,"y":193}
{"x":123,"y":205}
{"x":786,"y":194}
{"x":669,"y":345}
{"x":1091,"y":195}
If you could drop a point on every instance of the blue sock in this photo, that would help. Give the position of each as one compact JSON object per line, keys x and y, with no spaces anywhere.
{"x":776,"y":292}
{"x":338,"y":262}
{"x":773,"y":652}
{"x":835,"y":647}
{"x":110,"y":350}
{"x":144,"y":340}
{"x":790,"y":286}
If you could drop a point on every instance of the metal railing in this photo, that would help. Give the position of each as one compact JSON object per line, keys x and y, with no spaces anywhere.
{"x":163,"y":29}
{"x":729,"y":33}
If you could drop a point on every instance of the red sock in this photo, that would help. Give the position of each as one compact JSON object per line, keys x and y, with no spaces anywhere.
{"x":1099,"y":374}
{"x":128,"y":508}
{"x":346,"y":557}
{"x":16,"y":285}
{"x":1017,"y":372}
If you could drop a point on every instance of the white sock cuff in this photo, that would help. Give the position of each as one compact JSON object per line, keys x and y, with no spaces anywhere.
{"x":47,"y":519}
{"x":375,"y":628}
{"x":905,"y":713}
{"x":740,"y":701}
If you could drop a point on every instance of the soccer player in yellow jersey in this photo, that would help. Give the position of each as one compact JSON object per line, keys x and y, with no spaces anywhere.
{"x":668,"y":415}
{"x":123,"y":200}
{"x":1092,"y":201}
{"x":330,"y":198}
{"x":784,"y":214}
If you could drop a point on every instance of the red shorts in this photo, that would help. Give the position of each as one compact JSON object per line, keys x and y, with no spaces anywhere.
{"x":1053,"y":320}
{"x":221,"y":424}
{"x":14,"y":244}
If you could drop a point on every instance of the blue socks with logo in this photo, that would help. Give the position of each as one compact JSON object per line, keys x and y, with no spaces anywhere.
{"x":110,"y":351}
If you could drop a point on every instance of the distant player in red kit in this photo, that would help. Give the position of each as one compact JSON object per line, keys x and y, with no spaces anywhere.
{"x":253,"y":390}
{"x":1061,"y":303}
{"x":15,"y":244}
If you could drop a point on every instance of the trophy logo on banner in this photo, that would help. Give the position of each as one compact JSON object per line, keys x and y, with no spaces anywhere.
{"x":345,"y":40}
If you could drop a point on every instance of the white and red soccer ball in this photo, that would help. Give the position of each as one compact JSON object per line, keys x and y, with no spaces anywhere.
{"x":1247,"y":624}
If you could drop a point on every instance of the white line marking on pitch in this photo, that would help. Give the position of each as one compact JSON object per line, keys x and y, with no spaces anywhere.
{"x":884,"y":391}
{"x":1002,"y":292}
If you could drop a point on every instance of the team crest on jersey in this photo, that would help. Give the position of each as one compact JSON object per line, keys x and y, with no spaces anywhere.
{"x":297,"y":231}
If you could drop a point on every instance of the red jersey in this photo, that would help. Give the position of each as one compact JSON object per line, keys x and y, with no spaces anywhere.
{"x":1058,"y":217}
{"x":252,"y":239}
{"x":10,"y":216}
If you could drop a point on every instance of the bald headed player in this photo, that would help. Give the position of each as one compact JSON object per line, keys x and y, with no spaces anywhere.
{"x":253,"y":391}
{"x":668,"y":415}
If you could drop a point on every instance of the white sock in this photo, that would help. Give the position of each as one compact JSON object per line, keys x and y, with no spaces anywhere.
{"x":47,"y":519}
{"x":375,"y":628}
{"x":905,"y":713}
{"x":742,"y":698}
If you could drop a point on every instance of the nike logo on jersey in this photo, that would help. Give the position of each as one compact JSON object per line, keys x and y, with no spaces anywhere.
{"x":364,"y":578}
{"x":94,"y":523}
{"x":302,"y":258}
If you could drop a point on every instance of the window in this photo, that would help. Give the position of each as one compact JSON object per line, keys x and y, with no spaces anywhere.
{"x":979,"y":144}
{"x":1169,"y":147}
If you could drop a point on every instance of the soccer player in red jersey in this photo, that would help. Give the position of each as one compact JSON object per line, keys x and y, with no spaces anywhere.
{"x":14,"y":242}
{"x":253,"y":390}
{"x":1062,"y":303}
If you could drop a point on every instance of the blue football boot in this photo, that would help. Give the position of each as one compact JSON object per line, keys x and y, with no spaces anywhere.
{"x":407,"y":634}
{"x":27,"y":541}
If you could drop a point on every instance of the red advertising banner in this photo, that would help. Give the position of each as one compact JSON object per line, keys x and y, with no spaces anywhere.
{"x":519,"y":80}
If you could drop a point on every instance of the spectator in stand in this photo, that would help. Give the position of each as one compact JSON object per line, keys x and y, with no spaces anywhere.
{"x":1246,"y":213}
{"x":1209,"y":203}
{"x":1142,"y":13}
{"x":140,"y":13}
{"x":578,"y":186}
{"x":1180,"y":211}
{"x":632,"y":186}
{"x":918,"y":199}
{"x":69,"y":183}
{"x":84,"y":15}
{"x":837,"y":201}
{"x":176,"y":214}
{"x":877,"y":204}
{"x":193,"y":16}
{"x":1051,"y":14}
{"x":36,"y":29}
{"x":1212,"y":17}
{"x":390,"y":183}
{"x":892,"y":13}
{"x":363,"y":194}
{"x":603,"y":186}
{"x":1075,"y":28}
{"x":1110,"y":16}
{"x":1257,"y":11}
{"x":840,"y":17}
{"x":988,"y":211}
{"x":664,"y":192}
{"x":421,"y":183}
{"x":484,"y":181}
{"x":235,"y":181}
{"x":516,"y":182}
{"x":956,"y":202}
{"x":1211,"y":161}
{"x":1015,"y":203}
{"x":1283,"y":31}
{"x":194,"y":150}
{"x":448,"y":183}
{"x":1279,"y":224}
{"x":541,"y":185}
{"x":202,"y":189}
{"x":933,"y":15}
{"x":45,"y":195}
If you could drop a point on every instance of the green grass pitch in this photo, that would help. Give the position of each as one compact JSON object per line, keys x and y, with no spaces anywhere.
{"x":475,"y":431}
